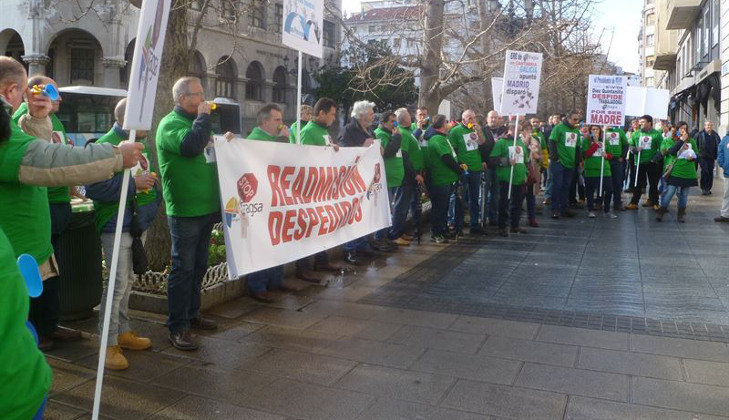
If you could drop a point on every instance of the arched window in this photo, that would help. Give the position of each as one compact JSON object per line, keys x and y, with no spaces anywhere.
{"x":254,"y":83}
{"x":226,"y":78}
{"x":279,"y":85}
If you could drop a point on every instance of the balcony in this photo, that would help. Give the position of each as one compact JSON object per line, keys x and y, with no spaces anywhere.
{"x":665,"y":60}
{"x":682,"y":13}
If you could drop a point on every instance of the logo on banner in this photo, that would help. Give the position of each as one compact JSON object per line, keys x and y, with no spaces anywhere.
{"x":247,"y":187}
{"x":375,"y":186}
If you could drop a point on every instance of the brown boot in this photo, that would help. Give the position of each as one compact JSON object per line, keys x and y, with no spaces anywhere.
{"x":660,"y":212}
{"x":681,"y":214}
{"x":115,"y":360}
{"x":131,"y":341}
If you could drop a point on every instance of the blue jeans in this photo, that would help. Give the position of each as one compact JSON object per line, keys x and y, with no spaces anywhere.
{"x":190,"y":244}
{"x":402,"y":200}
{"x":439,"y":196}
{"x":670,"y":191}
{"x":561,"y":179}
{"x":510,"y":208}
{"x":264,"y":280}
{"x":618,"y":174}
{"x":472,"y":184}
{"x":549,"y":184}
{"x":493,"y":190}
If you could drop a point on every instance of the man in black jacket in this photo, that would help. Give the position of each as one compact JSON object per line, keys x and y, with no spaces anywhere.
{"x":708,"y":144}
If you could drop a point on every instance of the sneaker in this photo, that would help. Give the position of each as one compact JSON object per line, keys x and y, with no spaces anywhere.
{"x":401,"y":242}
{"x":547,"y":201}
{"x":131,"y":341}
{"x":591,"y":215}
{"x":631,"y":206}
{"x":439,"y":239}
{"x":408,"y":237}
{"x":611,"y":215}
{"x":115,"y":360}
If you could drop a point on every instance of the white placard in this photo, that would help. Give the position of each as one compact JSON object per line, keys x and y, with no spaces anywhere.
{"x":520,"y":91}
{"x":303,"y":25}
{"x":146,"y":64}
{"x":647,"y":101}
{"x":497,"y":88}
{"x":606,"y":97}
{"x":282,"y":202}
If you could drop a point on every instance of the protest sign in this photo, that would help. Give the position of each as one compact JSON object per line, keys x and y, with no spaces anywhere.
{"x":303,"y":22}
{"x":282,"y":202}
{"x":647,"y":101}
{"x":497,"y":87}
{"x":606,"y":96}
{"x":520,"y":89}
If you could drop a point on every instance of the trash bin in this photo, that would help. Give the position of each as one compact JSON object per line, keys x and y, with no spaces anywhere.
{"x":79,"y":261}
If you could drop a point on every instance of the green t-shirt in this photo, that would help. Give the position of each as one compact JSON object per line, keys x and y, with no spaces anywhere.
{"x":25,"y":377}
{"x":650,"y":142}
{"x":315,"y":135}
{"x":567,"y":140}
{"x":467,"y":151}
{"x":189,"y":184}
{"x":682,"y":168}
{"x":616,"y":141}
{"x":394,"y":168}
{"x":24,"y":213}
{"x":292,"y":131}
{"x":504,"y":148}
{"x":105,"y":211}
{"x":55,"y":194}
{"x":411,"y":145}
{"x":592,"y":164}
{"x":258,"y":134}
{"x":440,"y":173}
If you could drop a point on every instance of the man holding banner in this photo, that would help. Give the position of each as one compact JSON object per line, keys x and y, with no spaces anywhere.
{"x":644,"y":144}
{"x":562,"y":158}
{"x":190,"y":190}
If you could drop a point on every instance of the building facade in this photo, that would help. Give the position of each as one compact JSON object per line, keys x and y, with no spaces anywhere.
{"x":238,"y":54}
{"x":724,"y":46}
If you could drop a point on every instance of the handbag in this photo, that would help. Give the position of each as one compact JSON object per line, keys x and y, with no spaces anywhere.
{"x":139,"y":256}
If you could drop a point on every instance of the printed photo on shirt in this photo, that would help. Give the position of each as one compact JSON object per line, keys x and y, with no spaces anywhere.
{"x":471,"y":140}
{"x":599,"y":151}
{"x":614,"y":139}
{"x":645,"y":142}
{"x":570,"y":139}
{"x":516,"y":154}
{"x":57,"y":137}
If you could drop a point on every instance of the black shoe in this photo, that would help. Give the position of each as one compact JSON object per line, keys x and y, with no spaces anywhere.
{"x":351,"y":258}
{"x":182,"y":340}
{"x":203,"y":324}
{"x":555,"y":215}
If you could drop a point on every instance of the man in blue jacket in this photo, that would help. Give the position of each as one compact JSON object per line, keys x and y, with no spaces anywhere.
{"x":722,"y":158}
{"x":142,"y":203}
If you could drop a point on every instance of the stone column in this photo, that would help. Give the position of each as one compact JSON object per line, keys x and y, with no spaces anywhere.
{"x":36,"y":63}
{"x":267,"y":91}
{"x":112,"y":71}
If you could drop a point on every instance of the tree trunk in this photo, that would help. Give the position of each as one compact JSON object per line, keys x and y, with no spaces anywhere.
{"x":175,"y":59}
{"x":430,"y":95}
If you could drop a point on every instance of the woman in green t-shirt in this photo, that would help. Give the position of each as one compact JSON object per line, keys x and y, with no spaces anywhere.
{"x":593,"y":168}
{"x":679,"y":170}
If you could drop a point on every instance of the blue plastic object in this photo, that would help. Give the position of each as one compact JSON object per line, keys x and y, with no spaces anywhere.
{"x":49,"y":90}
{"x":29,"y":269}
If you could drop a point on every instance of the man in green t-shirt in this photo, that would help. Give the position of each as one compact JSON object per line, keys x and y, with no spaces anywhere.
{"x":646,"y":142}
{"x":506,"y":155}
{"x":190,"y":190}
{"x":563,"y":145}
{"x":142,"y":203}
{"x":304,"y":119}
{"x":316,"y":133}
{"x":467,"y":139}
{"x":390,"y":142}
{"x":444,"y":173}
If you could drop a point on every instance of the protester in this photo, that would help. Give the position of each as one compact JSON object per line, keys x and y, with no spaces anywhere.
{"x":577,"y":187}
{"x":533,"y":143}
{"x":25,"y":377}
{"x":723,"y":160}
{"x":142,"y":203}
{"x":316,"y":133}
{"x":466,"y":139}
{"x":616,"y":143}
{"x":630,"y":171}
{"x":708,"y":143}
{"x":544,"y":160}
{"x":680,"y":171}
{"x":190,"y":190}
{"x":357,"y":133}
{"x":563,"y":158}
{"x":554,"y":120}
{"x":444,"y":172}
{"x":594,"y":168}
{"x":390,"y":141}
{"x":412,"y":157}
{"x":508,"y":158}
{"x":491,"y":134}
{"x":421,"y":124}
{"x":31,"y":162}
{"x":645,"y":142}
{"x":45,"y":309}
{"x":304,"y":119}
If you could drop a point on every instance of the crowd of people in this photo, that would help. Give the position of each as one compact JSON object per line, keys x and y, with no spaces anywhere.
{"x":477,"y":170}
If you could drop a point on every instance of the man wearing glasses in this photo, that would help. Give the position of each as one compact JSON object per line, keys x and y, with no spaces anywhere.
{"x":190,"y":190}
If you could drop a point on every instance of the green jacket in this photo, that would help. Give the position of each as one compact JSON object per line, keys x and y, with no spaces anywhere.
{"x":503,"y":152}
{"x":394,"y":167}
{"x":682,"y":168}
{"x":440,"y":173}
{"x":616,"y":142}
{"x":292,"y":131}
{"x":314,"y":134}
{"x":592,"y":163}
{"x":564,"y":141}
{"x":467,"y":152}
{"x":649,"y":141}
{"x":411,"y":146}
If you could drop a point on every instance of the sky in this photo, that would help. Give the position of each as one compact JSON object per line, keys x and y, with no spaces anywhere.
{"x":619,"y":18}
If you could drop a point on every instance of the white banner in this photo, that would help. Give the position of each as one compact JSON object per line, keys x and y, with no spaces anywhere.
{"x":146,"y":64}
{"x":497,"y":88}
{"x":303,"y":23}
{"x":522,"y":74}
{"x":647,"y":101}
{"x":281,"y":202}
{"x":606,"y":96}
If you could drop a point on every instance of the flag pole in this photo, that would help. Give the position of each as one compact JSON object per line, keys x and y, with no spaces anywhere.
{"x":298,"y":103}
{"x":511,"y":175}
{"x":602,"y":162}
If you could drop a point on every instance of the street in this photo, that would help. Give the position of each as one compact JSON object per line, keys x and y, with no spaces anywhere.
{"x":588,"y":318}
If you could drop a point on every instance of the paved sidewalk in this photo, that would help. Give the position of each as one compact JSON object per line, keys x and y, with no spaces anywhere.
{"x":358,"y":349}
